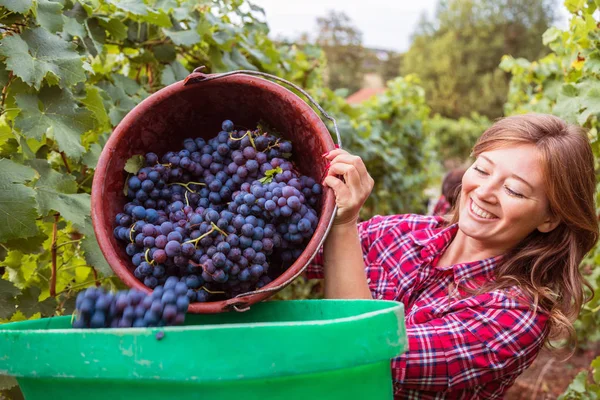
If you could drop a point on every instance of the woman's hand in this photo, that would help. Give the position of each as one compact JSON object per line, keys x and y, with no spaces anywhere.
{"x":351,"y":192}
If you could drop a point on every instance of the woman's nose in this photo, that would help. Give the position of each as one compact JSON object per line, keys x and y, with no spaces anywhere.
{"x":486,"y":191}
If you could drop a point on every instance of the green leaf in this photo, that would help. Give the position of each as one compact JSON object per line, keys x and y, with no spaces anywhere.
{"x":32,"y":244}
{"x":130,"y":86}
{"x":551,"y":35}
{"x":49,"y":15}
{"x":18,"y":211}
{"x":172,"y":73}
{"x":592,"y":63}
{"x":134,"y":164}
{"x":165,"y":53}
{"x":596,"y":369}
{"x":96,"y":36}
{"x":568,"y":104}
{"x":36,"y":54}
{"x":133,"y":6}
{"x":74,"y":28}
{"x":93,"y":254}
{"x":268,"y":178}
{"x":116,"y":28}
{"x":93,"y":102}
{"x":91,"y":157}
{"x":18,"y":6}
{"x":53,"y":112}
{"x":8,"y":292}
{"x":29,"y":303}
{"x":241,"y":59}
{"x":183,"y":38}
{"x":58,"y":192}
{"x":158,"y":18}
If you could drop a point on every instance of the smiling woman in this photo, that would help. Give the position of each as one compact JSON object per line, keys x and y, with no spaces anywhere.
{"x":485,"y":290}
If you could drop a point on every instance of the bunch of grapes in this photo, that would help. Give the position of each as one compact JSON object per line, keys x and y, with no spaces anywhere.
{"x":218,"y":214}
{"x":166,"y":305}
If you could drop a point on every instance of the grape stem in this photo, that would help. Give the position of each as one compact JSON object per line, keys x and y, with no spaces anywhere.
{"x":214,"y":228}
{"x":249,"y":134}
{"x":146,"y":257}
{"x":130,"y":232}
{"x":211,"y":291}
{"x":186,"y":185}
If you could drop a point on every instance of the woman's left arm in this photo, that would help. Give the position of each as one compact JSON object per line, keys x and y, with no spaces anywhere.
{"x":469,"y":347}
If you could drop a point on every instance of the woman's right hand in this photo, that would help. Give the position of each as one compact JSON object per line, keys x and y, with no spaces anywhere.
{"x":351,"y":192}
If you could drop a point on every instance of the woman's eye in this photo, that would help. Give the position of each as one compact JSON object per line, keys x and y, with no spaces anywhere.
{"x":482,"y":172}
{"x":513,"y":193}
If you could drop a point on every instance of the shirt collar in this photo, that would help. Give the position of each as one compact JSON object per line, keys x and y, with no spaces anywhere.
{"x":434,"y":241}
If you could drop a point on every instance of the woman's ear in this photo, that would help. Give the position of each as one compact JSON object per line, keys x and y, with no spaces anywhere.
{"x":549,"y":223}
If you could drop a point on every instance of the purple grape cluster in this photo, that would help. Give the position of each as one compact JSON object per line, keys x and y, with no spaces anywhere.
{"x":166,"y":305}
{"x":218,"y":214}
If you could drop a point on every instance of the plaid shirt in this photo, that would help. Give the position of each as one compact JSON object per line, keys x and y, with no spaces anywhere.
{"x":442,"y":207}
{"x":461,"y":346}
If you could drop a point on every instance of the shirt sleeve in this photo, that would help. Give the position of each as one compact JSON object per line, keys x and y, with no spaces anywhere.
{"x":468,"y":348}
{"x":371,"y":230}
{"x":315,"y":268}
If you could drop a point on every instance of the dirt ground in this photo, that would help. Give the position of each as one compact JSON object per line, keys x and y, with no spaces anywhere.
{"x":549,"y":375}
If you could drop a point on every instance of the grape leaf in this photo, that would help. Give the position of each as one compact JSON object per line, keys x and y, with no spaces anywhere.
{"x":37,"y":53}
{"x":590,"y":101}
{"x":93,"y":254}
{"x":90,"y":158}
{"x":134,"y":164}
{"x":32,"y":244}
{"x":18,"y":6}
{"x":59,"y":118}
{"x":268,"y":178}
{"x":133,"y":6}
{"x":130,"y":86}
{"x":58,"y":192}
{"x":596,"y":369}
{"x":17,"y":202}
{"x":74,"y":28}
{"x":568,"y":103}
{"x":121,"y":102}
{"x":173,"y":72}
{"x":93,"y":102}
{"x":49,"y":15}
{"x":29,"y":303}
{"x":8,"y":292}
{"x":164,"y":52}
{"x":183,"y":38}
{"x":241,"y":60}
{"x":116,"y":28}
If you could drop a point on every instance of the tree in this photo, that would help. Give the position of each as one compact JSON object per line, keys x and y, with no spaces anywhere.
{"x":342,"y":43}
{"x":458,"y":53}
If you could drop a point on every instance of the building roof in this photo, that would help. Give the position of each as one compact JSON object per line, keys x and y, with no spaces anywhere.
{"x":363,"y":94}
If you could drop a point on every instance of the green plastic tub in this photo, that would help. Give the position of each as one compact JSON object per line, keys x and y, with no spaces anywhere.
{"x":307,"y":349}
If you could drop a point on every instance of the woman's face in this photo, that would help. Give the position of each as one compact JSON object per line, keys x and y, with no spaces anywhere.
{"x":502,"y":197}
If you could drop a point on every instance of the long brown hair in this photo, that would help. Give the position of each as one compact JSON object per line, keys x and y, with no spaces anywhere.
{"x":546,"y":265}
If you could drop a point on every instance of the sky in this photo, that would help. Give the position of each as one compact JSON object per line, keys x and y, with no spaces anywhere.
{"x":385,"y":24}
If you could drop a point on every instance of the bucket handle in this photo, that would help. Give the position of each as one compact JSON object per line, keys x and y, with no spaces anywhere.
{"x":198,"y":76}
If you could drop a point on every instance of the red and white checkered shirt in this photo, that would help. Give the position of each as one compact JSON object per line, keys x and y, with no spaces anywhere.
{"x":442,"y":207}
{"x":461,"y":346}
